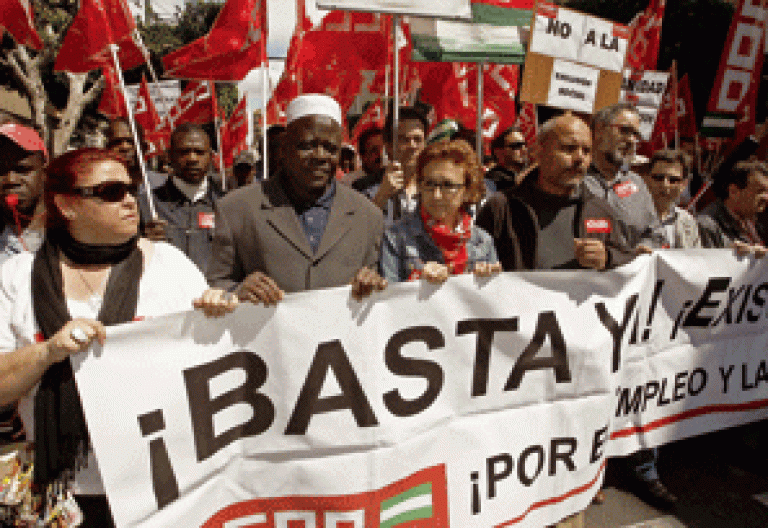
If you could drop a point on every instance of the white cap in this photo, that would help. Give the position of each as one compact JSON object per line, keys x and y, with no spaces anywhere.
{"x":313,"y":104}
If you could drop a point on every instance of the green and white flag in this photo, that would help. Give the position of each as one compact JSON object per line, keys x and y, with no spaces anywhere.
{"x":411,"y":505}
{"x":718,"y":125}
{"x":497,"y":34}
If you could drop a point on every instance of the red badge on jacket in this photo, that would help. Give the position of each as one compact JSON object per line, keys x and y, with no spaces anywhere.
{"x":206,"y":220}
{"x":597,"y":225}
{"x":625,"y":189}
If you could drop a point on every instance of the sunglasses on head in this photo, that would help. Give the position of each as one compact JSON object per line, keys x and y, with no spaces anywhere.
{"x":661,"y":177}
{"x":111,"y":191}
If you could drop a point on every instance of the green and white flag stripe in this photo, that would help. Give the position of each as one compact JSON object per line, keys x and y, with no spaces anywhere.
{"x":496,"y":35}
{"x":413,"y":504}
{"x":718,"y":125}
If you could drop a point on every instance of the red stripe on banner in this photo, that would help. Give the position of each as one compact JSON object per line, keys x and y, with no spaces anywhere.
{"x":554,"y":500}
{"x":693,"y":413}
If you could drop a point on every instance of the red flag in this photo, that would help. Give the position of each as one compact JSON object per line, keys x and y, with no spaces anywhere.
{"x":686,"y":116}
{"x":16,"y":19}
{"x":157,"y":141}
{"x":666,"y":125}
{"x":645,"y":36}
{"x":112,"y":103}
{"x":516,"y":4}
{"x":731,"y":107}
{"x":526,"y":120}
{"x":144,"y":112}
{"x":374,"y":116}
{"x":194,"y":105}
{"x":236,"y":44}
{"x":97,"y":25}
{"x":235,"y":133}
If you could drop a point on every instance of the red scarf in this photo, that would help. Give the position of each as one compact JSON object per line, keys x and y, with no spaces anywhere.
{"x":452,"y":243}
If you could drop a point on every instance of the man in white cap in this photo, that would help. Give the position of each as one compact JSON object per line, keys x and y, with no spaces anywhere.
{"x":298,"y":230}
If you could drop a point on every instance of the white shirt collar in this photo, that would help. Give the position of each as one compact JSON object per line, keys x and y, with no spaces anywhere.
{"x":193,"y":192}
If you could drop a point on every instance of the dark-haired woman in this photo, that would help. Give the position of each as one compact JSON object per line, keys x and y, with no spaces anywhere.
{"x":91,"y":271}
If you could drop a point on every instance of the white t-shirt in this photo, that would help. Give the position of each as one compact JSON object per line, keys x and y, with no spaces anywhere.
{"x":169,"y":283}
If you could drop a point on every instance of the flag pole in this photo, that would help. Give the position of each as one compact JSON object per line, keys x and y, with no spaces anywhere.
{"x":217,"y":127}
{"x":265,"y":161}
{"x":113,"y":48}
{"x":479,"y":130}
{"x":674,"y":105}
{"x":395,"y":84}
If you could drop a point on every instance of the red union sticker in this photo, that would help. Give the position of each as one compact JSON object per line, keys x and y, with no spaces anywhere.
{"x":625,"y":190}
{"x":620,"y":31}
{"x":422,"y":495}
{"x":206,"y":220}
{"x":547,"y":10}
{"x":597,"y":225}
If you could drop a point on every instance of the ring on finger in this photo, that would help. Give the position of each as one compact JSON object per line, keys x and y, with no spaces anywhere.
{"x":79,"y":336}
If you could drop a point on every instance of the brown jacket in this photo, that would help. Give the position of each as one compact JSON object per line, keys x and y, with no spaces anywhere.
{"x":257,"y":229}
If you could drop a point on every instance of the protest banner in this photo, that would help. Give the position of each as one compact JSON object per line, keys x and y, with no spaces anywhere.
{"x":565,"y":45}
{"x":452,"y":404}
{"x":432,"y":8}
{"x":646,"y":89}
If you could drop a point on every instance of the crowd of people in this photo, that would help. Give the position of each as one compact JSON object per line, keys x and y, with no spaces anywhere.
{"x":84,"y":247}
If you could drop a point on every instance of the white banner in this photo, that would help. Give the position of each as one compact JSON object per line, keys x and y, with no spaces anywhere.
{"x":566,"y":34}
{"x":647,"y":92}
{"x":431,"y":8}
{"x":572,"y":86}
{"x":164,"y":94}
{"x":478,"y":403}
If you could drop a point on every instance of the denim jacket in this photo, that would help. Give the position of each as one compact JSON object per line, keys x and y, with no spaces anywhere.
{"x":407,"y":247}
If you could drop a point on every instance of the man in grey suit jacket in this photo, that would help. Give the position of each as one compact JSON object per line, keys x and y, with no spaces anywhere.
{"x":298,"y":230}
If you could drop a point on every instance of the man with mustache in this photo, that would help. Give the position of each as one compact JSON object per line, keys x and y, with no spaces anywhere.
{"x":185,"y":202}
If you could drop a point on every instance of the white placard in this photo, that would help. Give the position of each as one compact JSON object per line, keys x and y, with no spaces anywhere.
{"x":431,"y":8}
{"x":164,"y":94}
{"x":646,"y":92}
{"x":572,"y":86}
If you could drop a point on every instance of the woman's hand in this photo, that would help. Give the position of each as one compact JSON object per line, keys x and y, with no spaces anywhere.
{"x":216,"y":302}
{"x":74,"y":337}
{"x":486,"y":269}
{"x":435,"y":273}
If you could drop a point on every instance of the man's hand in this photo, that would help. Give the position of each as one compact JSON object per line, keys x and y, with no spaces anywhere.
{"x":391,"y":184}
{"x":155,"y":230}
{"x":486,"y":269}
{"x":591,"y":253}
{"x":435,"y":273}
{"x":744,"y":250}
{"x":259,"y":288}
{"x":216,"y":302}
{"x":366,"y":282}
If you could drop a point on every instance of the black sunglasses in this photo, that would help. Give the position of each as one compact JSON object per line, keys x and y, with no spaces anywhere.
{"x":111,"y":191}
{"x":672,"y":179}
{"x":515,"y":145}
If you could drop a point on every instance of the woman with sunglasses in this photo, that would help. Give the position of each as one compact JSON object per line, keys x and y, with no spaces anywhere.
{"x":91,"y":271}
{"x":439,"y":238}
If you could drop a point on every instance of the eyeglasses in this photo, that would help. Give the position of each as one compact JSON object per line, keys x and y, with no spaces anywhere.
{"x":671,"y":179}
{"x":515,"y":145}
{"x":627,"y":130}
{"x":111,"y":191}
{"x":446,"y":188}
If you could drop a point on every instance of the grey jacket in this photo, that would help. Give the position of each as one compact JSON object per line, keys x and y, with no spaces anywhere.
{"x":719,"y":228}
{"x":407,"y":247}
{"x":683,"y":228}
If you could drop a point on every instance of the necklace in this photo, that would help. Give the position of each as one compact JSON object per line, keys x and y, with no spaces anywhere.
{"x":93,"y":291}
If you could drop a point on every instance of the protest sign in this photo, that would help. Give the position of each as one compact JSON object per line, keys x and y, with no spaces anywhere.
{"x":164,"y":94}
{"x":646,"y":90}
{"x":432,"y":8}
{"x":410,"y":405}
{"x":559,"y":35}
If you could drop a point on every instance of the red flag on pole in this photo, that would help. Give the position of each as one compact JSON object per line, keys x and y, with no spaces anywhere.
{"x":144,"y":112}
{"x":645,"y":37}
{"x":235,"y":133}
{"x":97,"y":25}
{"x":194,"y":105}
{"x":686,"y":115}
{"x":374,"y":116}
{"x":16,"y":19}
{"x":236,"y":44}
{"x":526,"y":120}
{"x":666,"y":125}
{"x":112,"y":103}
{"x":731,"y":107}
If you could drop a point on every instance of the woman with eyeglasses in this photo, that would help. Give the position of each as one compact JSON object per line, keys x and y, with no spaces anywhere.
{"x":439,"y":239}
{"x":92,"y":271}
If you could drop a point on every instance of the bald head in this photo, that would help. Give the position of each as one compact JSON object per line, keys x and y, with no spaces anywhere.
{"x":564,"y":154}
